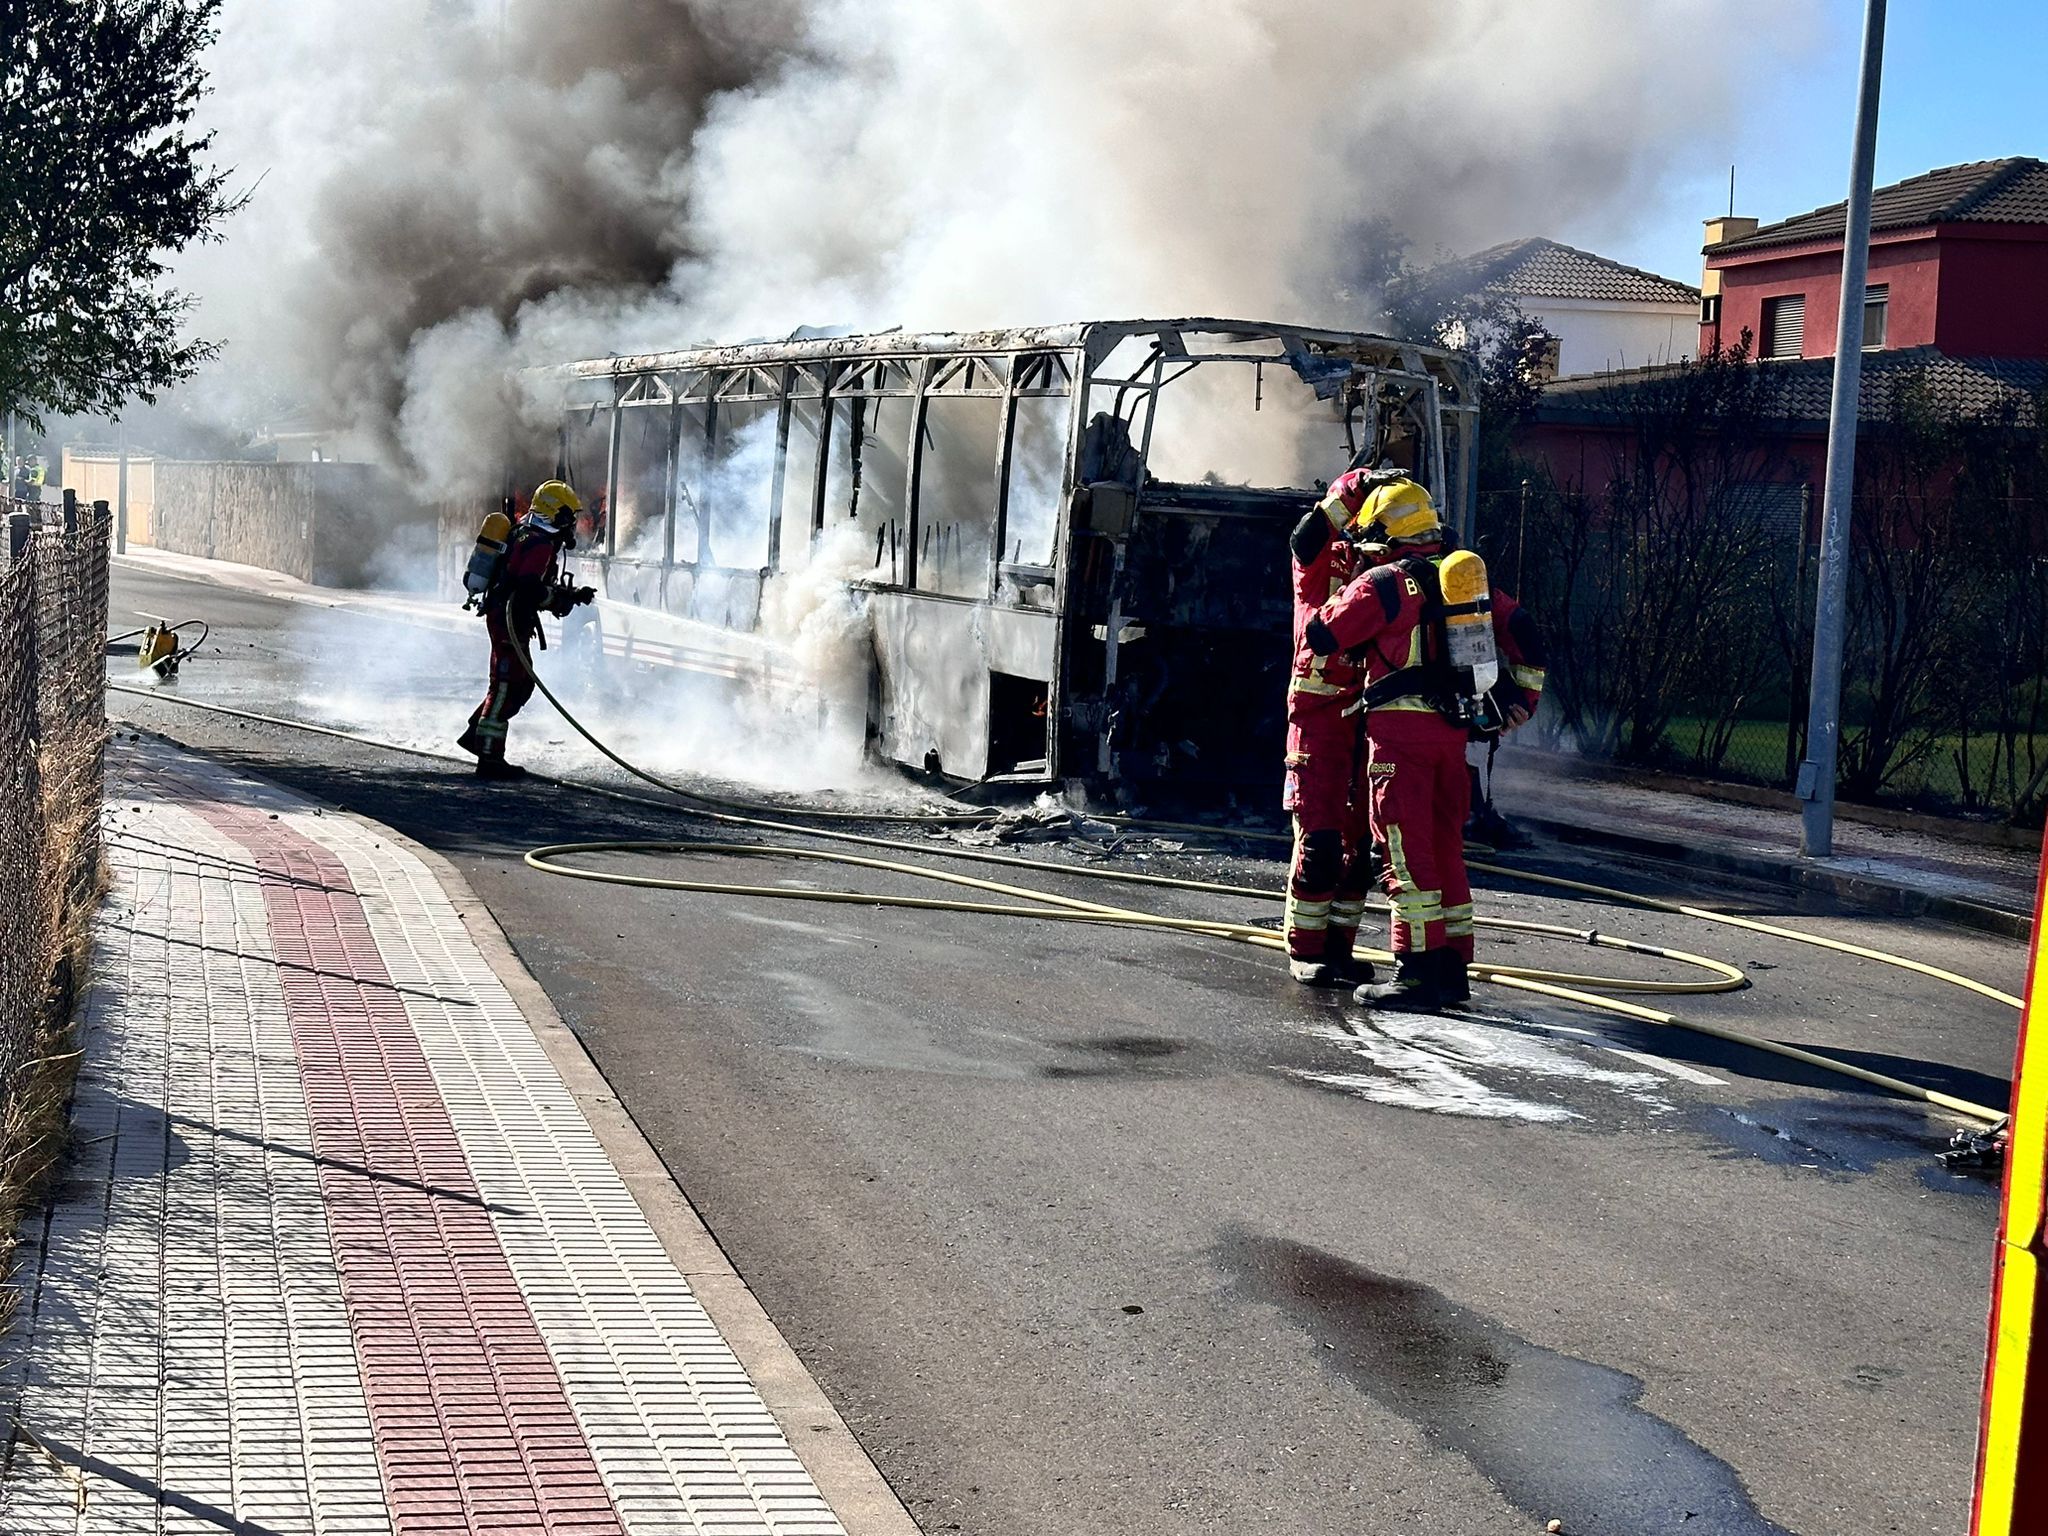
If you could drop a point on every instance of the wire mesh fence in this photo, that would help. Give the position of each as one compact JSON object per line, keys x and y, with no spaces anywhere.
{"x":1688,"y":649}
{"x":53,"y":625}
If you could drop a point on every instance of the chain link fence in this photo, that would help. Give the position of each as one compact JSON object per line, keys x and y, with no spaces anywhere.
{"x":53,"y":628}
{"x":1696,"y":660}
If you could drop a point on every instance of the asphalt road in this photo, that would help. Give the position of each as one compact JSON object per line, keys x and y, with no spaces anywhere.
{"x":1091,"y":1231}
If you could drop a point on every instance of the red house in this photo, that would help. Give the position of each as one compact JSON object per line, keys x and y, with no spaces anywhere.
{"x":1958,"y":262}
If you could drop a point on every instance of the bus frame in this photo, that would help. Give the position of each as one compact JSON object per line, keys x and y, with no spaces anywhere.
{"x":1150,"y":644}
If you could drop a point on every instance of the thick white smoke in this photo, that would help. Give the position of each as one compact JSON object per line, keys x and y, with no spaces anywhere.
{"x":452,"y":186}
{"x":445,"y":191}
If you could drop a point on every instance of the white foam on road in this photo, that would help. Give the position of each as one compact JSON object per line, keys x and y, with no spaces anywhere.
{"x":1470,"y":1066}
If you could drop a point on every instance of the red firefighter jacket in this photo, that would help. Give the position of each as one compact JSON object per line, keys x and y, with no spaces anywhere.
{"x":526,"y":580}
{"x":1378,"y":620}
{"x":1325,"y":562}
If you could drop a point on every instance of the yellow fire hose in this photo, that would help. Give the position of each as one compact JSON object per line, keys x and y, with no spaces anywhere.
{"x":1588,"y":991}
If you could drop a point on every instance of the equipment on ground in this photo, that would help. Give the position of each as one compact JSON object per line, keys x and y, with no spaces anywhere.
{"x":484,"y":561}
{"x":158,"y":652}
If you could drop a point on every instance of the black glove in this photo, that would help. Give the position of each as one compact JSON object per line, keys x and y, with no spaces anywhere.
{"x":1319,"y":638}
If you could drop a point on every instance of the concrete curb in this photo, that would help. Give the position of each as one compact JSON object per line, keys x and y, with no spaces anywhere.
{"x":1889,"y":897}
{"x":850,"y":1481}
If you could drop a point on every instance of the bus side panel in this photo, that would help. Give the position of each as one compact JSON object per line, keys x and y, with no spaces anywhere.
{"x":932,"y":660}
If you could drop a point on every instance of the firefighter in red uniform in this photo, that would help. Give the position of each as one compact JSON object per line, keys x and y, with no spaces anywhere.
{"x":1332,"y":867}
{"x":527,"y":581}
{"x":1392,"y":619}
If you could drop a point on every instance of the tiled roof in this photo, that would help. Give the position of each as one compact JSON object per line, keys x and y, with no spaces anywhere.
{"x":1536,"y":268}
{"x":2009,"y":191}
{"x":1976,"y":385}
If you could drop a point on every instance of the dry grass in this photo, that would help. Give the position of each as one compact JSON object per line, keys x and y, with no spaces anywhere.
{"x":35,"y":1099}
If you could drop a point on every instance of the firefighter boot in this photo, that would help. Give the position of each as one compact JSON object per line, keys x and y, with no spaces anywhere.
{"x":1413,"y":988}
{"x":498,"y":768}
{"x":1453,"y":982}
{"x":1320,"y":971}
{"x":1348,"y":969}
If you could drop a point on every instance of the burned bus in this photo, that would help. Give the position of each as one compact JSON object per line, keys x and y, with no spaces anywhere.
{"x":1070,"y":542}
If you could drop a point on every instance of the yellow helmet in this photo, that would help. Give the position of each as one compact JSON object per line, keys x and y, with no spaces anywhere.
{"x":1402,"y":511}
{"x":554,"y":502}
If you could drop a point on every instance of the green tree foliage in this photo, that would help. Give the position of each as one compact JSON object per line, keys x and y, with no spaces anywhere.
{"x":101,"y":179}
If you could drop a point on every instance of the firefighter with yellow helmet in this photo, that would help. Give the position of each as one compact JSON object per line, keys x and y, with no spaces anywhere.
{"x":514,"y":576}
{"x":1445,"y":656}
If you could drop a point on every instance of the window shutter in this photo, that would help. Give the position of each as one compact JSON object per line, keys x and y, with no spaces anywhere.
{"x":1876,"y":306}
{"x":1785,"y":325}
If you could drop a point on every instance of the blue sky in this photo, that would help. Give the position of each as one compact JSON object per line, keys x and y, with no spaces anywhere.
{"x":1963,"y":80}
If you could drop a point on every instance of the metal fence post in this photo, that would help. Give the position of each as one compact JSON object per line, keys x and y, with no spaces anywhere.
{"x":1824,"y":709}
{"x":121,"y":497}
{"x":19,"y":528}
{"x":70,"y":510}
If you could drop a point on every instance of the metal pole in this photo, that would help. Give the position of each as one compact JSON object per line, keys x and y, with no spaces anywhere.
{"x":1824,"y":708}
{"x":121,"y":497}
{"x":1521,"y":540}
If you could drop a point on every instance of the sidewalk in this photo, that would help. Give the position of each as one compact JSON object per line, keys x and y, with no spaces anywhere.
{"x":350,"y":1243}
{"x":1913,"y":871}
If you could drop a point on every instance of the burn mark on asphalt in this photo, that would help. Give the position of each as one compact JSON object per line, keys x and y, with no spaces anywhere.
{"x":1119,"y":1056}
{"x":1562,"y":1438}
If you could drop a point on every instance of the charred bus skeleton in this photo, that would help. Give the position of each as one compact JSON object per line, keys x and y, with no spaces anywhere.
{"x":1070,"y":542}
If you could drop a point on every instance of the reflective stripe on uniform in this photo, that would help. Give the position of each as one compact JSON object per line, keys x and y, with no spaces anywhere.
{"x":1530,"y":678}
{"x":1315,"y":685}
{"x":1414,"y":908}
{"x":1346,"y":914}
{"x":1458,"y":921}
{"x":1397,"y":857}
{"x":1415,"y":913}
{"x":1307,"y":916}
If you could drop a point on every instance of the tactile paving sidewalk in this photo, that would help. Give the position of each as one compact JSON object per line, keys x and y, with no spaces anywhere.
{"x":338,"y":1252}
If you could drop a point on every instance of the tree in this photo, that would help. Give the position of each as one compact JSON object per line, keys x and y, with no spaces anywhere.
{"x":1650,"y":581}
{"x":101,"y":179}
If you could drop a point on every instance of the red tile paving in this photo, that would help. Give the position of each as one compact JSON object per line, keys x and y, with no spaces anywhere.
{"x":472,"y":1426}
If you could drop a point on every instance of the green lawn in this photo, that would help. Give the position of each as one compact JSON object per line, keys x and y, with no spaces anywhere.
{"x":1756,"y":753}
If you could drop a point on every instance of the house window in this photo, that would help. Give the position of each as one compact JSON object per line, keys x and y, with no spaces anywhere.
{"x":1785,"y":325}
{"x":1876,"y":300}
{"x":1710,"y":309}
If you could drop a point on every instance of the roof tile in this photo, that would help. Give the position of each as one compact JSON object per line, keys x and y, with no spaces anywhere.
{"x":1975,"y":385}
{"x":2009,"y":191}
{"x":1536,"y":268}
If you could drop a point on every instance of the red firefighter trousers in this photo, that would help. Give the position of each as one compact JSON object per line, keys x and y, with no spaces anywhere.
{"x":1325,"y":796}
{"x":510,"y":685}
{"x":1420,"y":798}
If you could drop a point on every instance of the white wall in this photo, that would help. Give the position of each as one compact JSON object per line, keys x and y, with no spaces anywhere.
{"x":1597,"y":336}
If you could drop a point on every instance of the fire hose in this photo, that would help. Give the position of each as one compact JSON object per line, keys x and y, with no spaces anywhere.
{"x":1594,"y":992}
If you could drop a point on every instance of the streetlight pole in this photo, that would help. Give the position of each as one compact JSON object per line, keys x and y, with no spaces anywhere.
{"x":1824,"y":706}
